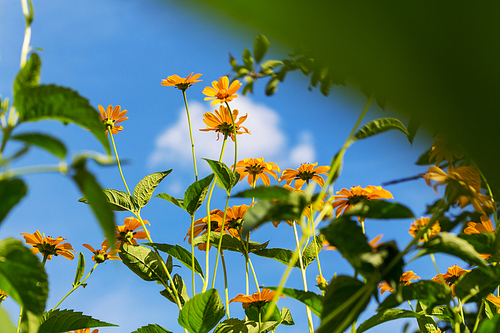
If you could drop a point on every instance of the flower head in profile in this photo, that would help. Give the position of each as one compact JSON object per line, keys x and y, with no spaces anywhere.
{"x":257,"y":299}
{"x":84,"y":330}
{"x":235,"y":218}
{"x":422,"y":222}
{"x":444,"y":148}
{"x":179,"y":82}
{"x":112,"y":116}
{"x":304,"y":174}
{"x":201,"y":227}
{"x":103,"y":254}
{"x":130,"y":231}
{"x":221,"y":122}
{"x":495,"y":300}
{"x":345,"y":198}
{"x":49,"y":246}
{"x":3,"y":295}
{"x":221,"y":91}
{"x":405,"y":280}
{"x":476,"y":228}
{"x":451,"y":276}
{"x":256,"y":168}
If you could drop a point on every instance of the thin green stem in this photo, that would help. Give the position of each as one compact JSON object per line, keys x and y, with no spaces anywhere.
{"x":63,"y":168}
{"x":310,"y":222}
{"x":235,"y":139}
{"x":75,"y":287}
{"x":225,"y":283}
{"x":254,"y":275}
{"x":411,"y":307}
{"x":260,"y":317}
{"x":191,"y":136}
{"x":28,"y":16}
{"x":476,"y":324}
{"x":192,"y":253}
{"x":219,"y":248}
{"x":118,"y":161}
{"x":19,"y":320}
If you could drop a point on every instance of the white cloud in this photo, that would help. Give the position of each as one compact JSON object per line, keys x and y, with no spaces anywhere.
{"x":304,"y":151}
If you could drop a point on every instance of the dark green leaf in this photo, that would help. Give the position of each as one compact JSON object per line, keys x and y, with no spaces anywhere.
{"x":260,"y":46}
{"x":44,"y":141}
{"x":22,"y":276}
{"x":477,"y":284}
{"x":312,"y":300}
{"x":413,"y":126}
{"x":30,"y":322}
{"x":270,"y":64}
{"x":118,"y":200}
{"x":145,"y":188}
{"x":59,"y":103}
{"x":6,"y":325}
{"x":379,"y":209}
{"x":180,"y":253}
{"x":180,"y":286}
{"x":425,"y":323}
{"x":202,"y":312}
{"x":11,"y":192}
{"x":29,"y":75}
{"x":247,"y":59}
{"x":312,"y":250}
{"x":380,"y":125}
{"x":151,"y":328}
{"x":143,"y":261}
{"x":483,"y":242}
{"x":282,"y":255}
{"x":229,"y":242}
{"x":429,"y":292}
{"x":196,"y":193}
{"x":234,"y":325}
{"x":169,"y":198}
{"x":252,"y":313}
{"x":80,"y":269}
{"x":384,"y":316}
{"x":264,"y":193}
{"x":224,"y":175}
{"x":67,"y":320}
{"x":490,"y":325}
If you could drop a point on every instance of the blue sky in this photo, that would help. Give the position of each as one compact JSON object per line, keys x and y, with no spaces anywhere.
{"x":117,"y":52}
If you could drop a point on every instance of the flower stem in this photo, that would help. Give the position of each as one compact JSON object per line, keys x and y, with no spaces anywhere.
{"x":75,"y":287}
{"x":313,"y":232}
{"x":225,"y":283}
{"x":476,"y":324}
{"x":235,"y":139}
{"x":28,"y":16}
{"x":118,"y":161}
{"x":219,"y":248}
{"x":192,"y":253}
{"x":19,"y":320}
{"x":254,"y":275}
{"x":191,"y":136}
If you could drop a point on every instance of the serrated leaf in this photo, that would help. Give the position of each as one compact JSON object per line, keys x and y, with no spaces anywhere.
{"x":260,"y":46}
{"x":385,"y":316}
{"x":223,"y":174}
{"x":169,"y":198}
{"x":379,"y":209}
{"x":29,"y":75}
{"x":151,"y":328}
{"x":483,"y":242}
{"x":312,"y":300}
{"x":180,"y":253}
{"x":118,"y":200}
{"x":431,"y":293}
{"x":378,"y":126}
{"x":6,"y":325}
{"x":67,"y":320}
{"x":143,"y":261}
{"x":22,"y":276}
{"x":196,"y":193}
{"x":145,"y":188}
{"x":263,"y":192}
{"x":44,"y":141}
{"x":247,"y":59}
{"x":202,"y":312}
{"x":59,"y":103}
{"x":11,"y":192}
{"x":229,"y":242}
{"x":80,"y":269}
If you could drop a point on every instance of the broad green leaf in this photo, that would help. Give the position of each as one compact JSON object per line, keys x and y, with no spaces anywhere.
{"x":180,"y":286}
{"x":223,"y":174}
{"x":6,"y":325}
{"x":80,"y":269}
{"x":247,"y":59}
{"x":312,"y":300}
{"x":483,"y":242}
{"x":380,"y":125}
{"x":252,"y":313}
{"x":11,"y":192}
{"x":264,"y":193}
{"x":196,"y":193}
{"x":180,"y":253}
{"x":260,"y":46}
{"x":169,"y":198}
{"x":151,"y":328}
{"x":384,"y":316}
{"x":68,"y":320}
{"x":425,"y":323}
{"x":95,"y":196}
{"x":30,"y":322}
{"x":282,"y":255}
{"x":44,"y":141}
{"x":145,"y":188}
{"x":286,"y":317}
{"x":379,"y":209}
{"x":118,"y":200}
{"x":312,"y":250}
{"x":202,"y":312}
{"x":477,"y":284}
{"x":234,"y":325}
{"x":143,"y":261}
{"x":490,"y":325}
{"x":22,"y":276}
{"x":59,"y":103}
{"x":429,"y":292}
{"x":229,"y":242}
{"x":29,"y":75}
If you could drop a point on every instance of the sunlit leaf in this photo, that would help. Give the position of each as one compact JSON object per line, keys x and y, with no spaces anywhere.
{"x":151,"y":328}
{"x":143,"y":261}
{"x":224,"y":175}
{"x":145,"y":188}
{"x":202,"y":312}
{"x":270,"y":64}
{"x":384,"y":316}
{"x":312,"y":300}
{"x":180,"y":253}
{"x":312,"y":250}
{"x":6,"y":325}
{"x":30,"y":322}
{"x":169,"y":198}
{"x":118,"y":200}
{"x":260,"y":46}
{"x":425,"y":323}
{"x":11,"y":192}
{"x":29,"y":75}
{"x":379,"y":209}
{"x":272,"y":86}
{"x":282,"y":255}
{"x":180,"y":286}
{"x":196,"y":193}
{"x":234,"y":325}
{"x":490,"y":325}
{"x":477,"y":284}
{"x":80,"y":269}
{"x":229,"y":242}
{"x":263,"y":192}
{"x":378,"y":126}
{"x":67,"y":320}
{"x":430,"y":292}
{"x":44,"y":141}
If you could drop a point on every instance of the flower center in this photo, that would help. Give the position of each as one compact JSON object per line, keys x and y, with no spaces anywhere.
{"x":356,"y":199}
{"x":222,"y":94}
{"x":254,"y":169}
{"x":108,"y":123}
{"x":225,"y":128}
{"x":305,"y":175}
{"x":126,"y":236}
{"x":100,"y":256}
{"x":183,"y":86}
{"x":47,"y":249}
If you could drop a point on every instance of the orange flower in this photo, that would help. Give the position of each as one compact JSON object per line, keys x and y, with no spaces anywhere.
{"x":127,"y":232}
{"x":444,"y":148}
{"x":235,"y":217}
{"x":48,"y":246}
{"x":476,"y":228}
{"x":495,"y":300}
{"x":102,"y":255}
{"x":348,"y":198}
{"x":221,"y":122}
{"x":220,"y":92}
{"x":201,"y":227}
{"x":111,"y":116}
{"x":421,"y":222}
{"x":3,"y":295}
{"x":85,"y":330}
{"x":374,"y":243}
{"x":304,"y":174}
{"x":256,"y":168}
{"x":179,"y":82}
{"x":451,"y":276}
{"x":405,"y":279}
{"x":258,"y":299}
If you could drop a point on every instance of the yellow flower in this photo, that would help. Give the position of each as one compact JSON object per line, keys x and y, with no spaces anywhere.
{"x":201,"y":227}
{"x":258,"y":299}
{"x":421,"y":222}
{"x":111,"y":116}
{"x":84,"y":330}
{"x":48,"y":246}
{"x":101,"y":256}
{"x":444,"y":148}
{"x":256,"y":168}
{"x":476,"y":228}
{"x":127,"y":232}
{"x":405,"y":279}
{"x":235,"y":217}
{"x":495,"y":300}
{"x":451,"y":276}
{"x":220,"y":92}
{"x":3,"y":295}
{"x":221,"y":122}
{"x":179,"y":82}
{"x":304,"y":174}
{"x":348,"y":198}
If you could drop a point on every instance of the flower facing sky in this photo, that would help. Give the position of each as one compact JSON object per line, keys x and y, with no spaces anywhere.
{"x":451,"y":276}
{"x":111,"y":116}
{"x":256,"y":168}
{"x":48,"y":246}
{"x":129,"y":231}
{"x":222,"y":91}
{"x":444,"y":148}
{"x":103,"y":254}
{"x":345,"y":198}
{"x":221,"y":122}
{"x":257,"y":299}
{"x":304,"y":174}
{"x":421,"y":222}
{"x":179,"y":82}
{"x":405,"y":279}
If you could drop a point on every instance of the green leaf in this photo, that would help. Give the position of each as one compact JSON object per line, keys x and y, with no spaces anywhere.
{"x":247,"y":59}
{"x":180,"y":253}
{"x":142,"y":261}
{"x":380,"y":125}
{"x":151,"y":328}
{"x":6,"y":325}
{"x":234,"y":325}
{"x":118,"y":200}
{"x":270,"y":64}
{"x":384,"y":316}
{"x":11,"y":192}
{"x":80,"y":269}
{"x":67,"y":320}
{"x":253,"y":313}
{"x":44,"y":141}
{"x":224,"y":175}
{"x":425,"y":323}
{"x":196,"y":193}
{"x":59,"y":103}
{"x":477,"y":284}
{"x":263,"y":192}
{"x":22,"y":276}
{"x":272,"y":86}
{"x":145,"y":188}
{"x":483,"y":242}
{"x":30,"y":322}
{"x":97,"y":200}
{"x":169,"y":198}
{"x":260,"y":47}
{"x":379,"y":209}
{"x":312,"y":250}
{"x":429,"y":292}
{"x":413,"y":126}
{"x":286,"y":317}
{"x":180,"y":286}
{"x":229,"y":242}
{"x":312,"y":300}
{"x":202,"y":312}
{"x":282,"y":255}
{"x":29,"y":75}
{"x":490,"y":325}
